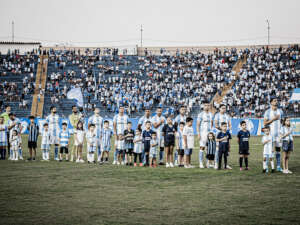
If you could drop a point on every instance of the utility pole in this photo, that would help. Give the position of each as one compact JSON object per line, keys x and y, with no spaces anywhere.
{"x":268,"y":22}
{"x":13,"y":31}
{"x":141,"y":36}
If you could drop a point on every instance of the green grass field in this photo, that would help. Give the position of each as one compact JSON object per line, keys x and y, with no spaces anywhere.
{"x":69,"y":193}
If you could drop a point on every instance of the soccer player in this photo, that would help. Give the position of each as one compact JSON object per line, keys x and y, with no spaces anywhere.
{"x":106,"y":136}
{"x":204,"y":126}
{"x":64,"y":137}
{"x":15,"y":141}
{"x":267,"y":141}
{"x":45,"y":142}
{"x":129,"y":136}
{"x":287,"y":143}
{"x":272,"y":119}
{"x":158,"y":122}
{"x":178,"y":119}
{"x":3,"y":138}
{"x":53,"y":121}
{"x":179,"y":144}
{"x":33,"y":134}
{"x":5,"y":116}
{"x":147,"y":136}
{"x":97,"y":120}
{"x":78,"y":141}
{"x":221,"y":117}
{"x":153,"y":150}
{"x":120,"y":148}
{"x":15,"y":124}
{"x":143,"y":120}
{"x":211,"y":149}
{"x":91,"y":139}
{"x":168,"y":132}
{"x":74,"y":118}
{"x":223,"y":138}
{"x":138,"y":147}
{"x":243,"y":142}
{"x":188,"y":142}
{"x":120,"y":124}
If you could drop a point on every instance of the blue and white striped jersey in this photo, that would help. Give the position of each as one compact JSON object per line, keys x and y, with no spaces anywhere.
{"x":275,"y":126}
{"x":157,"y":119}
{"x":285,"y":130}
{"x":64,"y":136}
{"x":143,"y":120}
{"x":16,"y":127}
{"x":106,"y":137}
{"x":53,"y":122}
{"x":179,"y":138}
{"x":121,"y":123}
{"x":138,"y":146}
{"x":91,"y":138}
{"x":206,"y":120}
{"x":3,"y":134}
{"x":98,"y":121}
{"x":220,"y":118}
{"x":178,"y":119}
{"x":45,"y":137}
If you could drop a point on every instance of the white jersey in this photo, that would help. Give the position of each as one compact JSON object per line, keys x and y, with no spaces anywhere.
{"x":53,"y":122}
{"x":46,"y":137}
{"x":205,"y":119}
{"x":285,"y":130}
{"x":121,"y":123}
{"x":143,"y":120}
{"x":269,"y":146}
{"x":189,"y":132}
{"x":178,"y":119}
{"x":157,"y":119}
{"x":80,"y":137}
{"x":16,"y":127}
{"x":15,"y":141}
{"x":275,"y":126}
{"x":138,"y":146}
{"x":3,"y":136}
{"x":91,"y":138}
{"x":222,"y":118}
{"x":98,"y":121}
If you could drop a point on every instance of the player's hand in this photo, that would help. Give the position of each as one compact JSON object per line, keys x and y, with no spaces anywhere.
{"x":276,"y":117}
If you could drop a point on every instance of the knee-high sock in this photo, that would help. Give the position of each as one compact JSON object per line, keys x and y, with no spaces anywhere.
{"x":265,"y":165}
{"x":201,"y":156}
{"x":143,"y":157}
{"x":217,"y":157}
{"x":161,"y":156}
{"x":147,"y":159}
{"x":115,"y":155}
{"x":176,"y":156}
{"x":278,"y":158}
{"x":225,"y":160}
{"x":241,"y":161}
{"x":99,"y":153}
{"x":47,"y":154}
{"x":246,"y":162}
{"x":11,"y":153}
{"x":55,"y":152}
{"x":272,"y":164}
{"x":43,"y":154}
{"x":20,"y":152}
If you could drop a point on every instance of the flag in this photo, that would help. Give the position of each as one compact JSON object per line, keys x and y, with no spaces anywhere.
{"x":75,"y":93}
{"x":295,"y":96}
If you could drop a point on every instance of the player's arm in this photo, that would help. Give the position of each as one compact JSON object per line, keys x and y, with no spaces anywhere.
{"x":269,"y":121}
{"x":115,"y":130}
{"x":198,"y":128}
{"x":217,"y":124}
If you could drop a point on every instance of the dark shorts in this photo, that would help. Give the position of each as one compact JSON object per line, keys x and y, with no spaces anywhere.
{"x":129,"y":151}
{"x":223,"y":151}
{"x":210,"y":157}
{"x":162,"y":149}
{"x":180,"y":152}
{"x":146,"y":149}
{"x":287,"y":146}
{"x":121,"y":151}
{"x":64,"y":150}
{"x":169,"y":143}
{"x":188,"y":151}
{"x":32,"y":144}
{"x":244,"y":151}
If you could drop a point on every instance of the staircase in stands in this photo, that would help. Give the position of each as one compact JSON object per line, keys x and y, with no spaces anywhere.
{"x":219,"y":98}
{"x":40,"y":84}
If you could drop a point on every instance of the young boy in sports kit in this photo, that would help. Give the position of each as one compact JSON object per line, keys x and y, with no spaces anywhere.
{"x":128,"y":136}
{"x":147,"y":136}
{"x":243,"y":142}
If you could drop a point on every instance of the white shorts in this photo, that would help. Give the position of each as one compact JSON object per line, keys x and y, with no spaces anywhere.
{"x":277,"y":142}
{"x":269,"y":155}
{"x":121,"y":145}
{"x":54,"y":140}
{"x":203,"y":139}
{"x":161,"y":141}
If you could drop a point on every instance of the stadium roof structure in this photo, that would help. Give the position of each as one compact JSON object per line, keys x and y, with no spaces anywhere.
{"x":19,"y":43}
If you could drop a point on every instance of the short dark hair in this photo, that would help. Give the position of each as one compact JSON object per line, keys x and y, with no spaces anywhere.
{"x":64,"y":123}
{"x":182,"y":123}
{"x":45,"y":124}
{"x":222,"y":105}
{"x":11,"y":114}
{"x":129,"y":122}
{"x":223,"y":123}
{"x":189,"y":119}
{"x":91,"y":125}
{"x":73,"y":106}
{"x":148,"y":121}
{"x":106,"y":121}
{"x":206,"y":102}
{"x":272,"y":98}
{"x":52,"y":107}
{"x":182,"y":106}
{"x":7,"y":106}
{"x":242,"y":122}
{"x":267,"y":127}
{"x":153,"y":133}
{"x":31,"y":117}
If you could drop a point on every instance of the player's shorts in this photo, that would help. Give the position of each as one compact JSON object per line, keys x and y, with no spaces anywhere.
{"x":244,"y":151}
{"x":203,"y":139}
{"x":188,"y":151}
{"x":45,"y":147}
{"x":54,"y":140}
{"x":180,"y":152}
{"x":269,"y":155}
{"x":287,"y":146}
{"x":146,"y":149}
{"x":121,"y":144}
{"x":91,"y":149}
{"x":161,"y":141}
{"x":64,"y":150}
{"x":32,"y":144}
{"x":121,"y":151}
{"x":277,"y":142}
{"x":152,"y":155}
{"x":210,"y":156}
{"x":105,"y":148}
{"x":3,"y":144}
{"x":129,"y":151}
{"x":169,"y":143}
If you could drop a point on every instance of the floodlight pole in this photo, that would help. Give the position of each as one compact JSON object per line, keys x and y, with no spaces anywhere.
{"x":268,"y":22}
{"x":141,"y":36}
{"x":13,"y":31}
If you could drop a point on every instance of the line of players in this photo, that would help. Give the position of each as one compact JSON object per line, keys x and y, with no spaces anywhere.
{"x":156,"y":134}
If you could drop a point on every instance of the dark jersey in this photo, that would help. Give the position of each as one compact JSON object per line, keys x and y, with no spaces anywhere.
{"x":243,"y":137}
{"x":129,"y":138}
{"x":147,"y":136}
{"x":224,"y":145}
{"x":169,"y":133}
